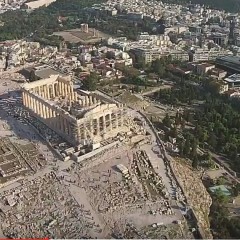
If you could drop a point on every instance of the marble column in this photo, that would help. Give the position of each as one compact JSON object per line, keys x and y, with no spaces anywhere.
{"x":110,"y":122}
{"x":104,"y":123}
{"x":60,"y":88}
{"x":75,"y":96}
{"x":43,"y":111}
{"x":91,"y":127}
{"x":23,"y":98}
{"x":53,"y":90}
{"x":83,"y":102}
{"x":90,"y":100}
{"x":34,"y":105}
{"x":28,"y":101}
{"x":86,"y":101}
{"x":69,"y":90}
{"x":43,"y":92}
{"x":53,"y":113}
{"x":65,"y":89}
{"x":50,"y":112}
{"x":38,"y":107}
{"x":121,"y":118}
{"x":98,"y":127}
{"x":116,"y":123}
{"x":57,"y":89}
{"x":47,"y":112}
{"x":85,"y":134}
{"x":47,"y":91}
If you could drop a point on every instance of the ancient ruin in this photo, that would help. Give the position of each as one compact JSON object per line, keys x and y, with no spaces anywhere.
{"x":18,"y":160}
{"x":77,"y":116}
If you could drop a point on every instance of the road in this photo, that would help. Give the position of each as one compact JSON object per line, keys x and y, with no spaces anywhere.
{"x":166,"y":86}
{"x":219,"y":160}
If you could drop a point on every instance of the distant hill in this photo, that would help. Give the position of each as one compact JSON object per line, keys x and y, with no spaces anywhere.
{"x":227,"y":5}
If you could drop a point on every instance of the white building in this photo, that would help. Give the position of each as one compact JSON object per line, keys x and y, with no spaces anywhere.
{"x":85,"y":57}
{"x":38,"y":4}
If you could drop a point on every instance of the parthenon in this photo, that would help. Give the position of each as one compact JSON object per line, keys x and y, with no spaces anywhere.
{"x":77,"y":116}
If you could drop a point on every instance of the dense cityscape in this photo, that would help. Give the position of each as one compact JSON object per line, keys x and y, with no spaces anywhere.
{"x":120,"y":119}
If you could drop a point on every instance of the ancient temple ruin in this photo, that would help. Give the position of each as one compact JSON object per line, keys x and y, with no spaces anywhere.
{"x":77,"y":116}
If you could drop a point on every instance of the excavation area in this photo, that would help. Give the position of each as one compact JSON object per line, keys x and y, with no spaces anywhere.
{"x":126,"y":193}
{"x":114,"y":194}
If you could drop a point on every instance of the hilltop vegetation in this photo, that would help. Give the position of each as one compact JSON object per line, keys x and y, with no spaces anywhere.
{"x":43,"y":21}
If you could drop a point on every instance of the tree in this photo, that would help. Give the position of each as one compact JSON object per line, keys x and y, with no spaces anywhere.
{"x":187,"y":146}
{"x":236,"y":190}
{"x":194,"y":149}
{"x":220,"y":197}
{"x":167,"y":121}
{"x":210,"y":162}
{"x":177,"y":118}
{"x":212,"y":140}
{"x":181,"y":147}
{"x":90,"y":83}
{"x":174,"y":132}
{"x":158,"y":67}
{"x":195,"y":162}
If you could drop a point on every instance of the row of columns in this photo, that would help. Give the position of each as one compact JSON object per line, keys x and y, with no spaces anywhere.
{"x":60,"y":123}
{"x":57,"y":89}
{"x":37,"y":106}
{"x":87,"y":101}
{"x":57,"y":121}
{"x":99,"y":125}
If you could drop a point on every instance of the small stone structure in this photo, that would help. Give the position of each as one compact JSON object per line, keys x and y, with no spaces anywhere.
{"x":18,"y":160}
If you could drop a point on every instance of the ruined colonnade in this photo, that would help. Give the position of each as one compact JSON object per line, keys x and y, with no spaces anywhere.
{"x":89,"y":118}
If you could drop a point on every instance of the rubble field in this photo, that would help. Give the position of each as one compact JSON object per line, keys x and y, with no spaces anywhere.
{"x":136,"y":196}
{"x":44,"y":207}
{"x":115,"y":194}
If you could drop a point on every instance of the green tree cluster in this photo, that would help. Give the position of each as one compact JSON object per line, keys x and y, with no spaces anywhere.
{"x":43,"y":21}
{"x":216,"y":122}
{"x":90,"y":83}
{"x":223,"y":226}
{"x":180,"y":93}
{"x":218,"y":127}
{"x":158,"y":66}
